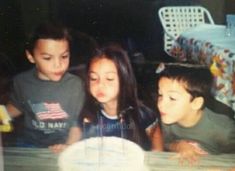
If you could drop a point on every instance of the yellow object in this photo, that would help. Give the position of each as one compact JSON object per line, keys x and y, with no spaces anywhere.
{"x":217,"y":67}
{"x":5,"y":120}
{"x":215,"y":70}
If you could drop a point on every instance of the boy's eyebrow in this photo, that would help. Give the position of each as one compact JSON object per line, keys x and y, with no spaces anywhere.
{"x":66,"y":51}
{"x":44,"y":53}
{"x":171,"y":91}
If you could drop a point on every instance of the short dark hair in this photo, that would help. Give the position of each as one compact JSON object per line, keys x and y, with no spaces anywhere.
{"x":198,"y":78}
{"x":47,"y":30}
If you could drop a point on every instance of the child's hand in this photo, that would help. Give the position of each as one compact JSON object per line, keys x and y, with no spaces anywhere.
{"x":189,"y":151}
{"x":57,"y":148}
{"x":5,"y":120}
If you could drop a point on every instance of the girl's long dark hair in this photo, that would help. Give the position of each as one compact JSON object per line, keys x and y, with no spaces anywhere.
{"x":127,"y":99}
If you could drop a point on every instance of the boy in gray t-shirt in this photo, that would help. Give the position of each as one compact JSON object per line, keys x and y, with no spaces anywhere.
{"x":188,"y":127}
{"x":49,"y":97}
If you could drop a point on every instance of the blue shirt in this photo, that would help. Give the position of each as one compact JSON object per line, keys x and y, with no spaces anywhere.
{"x":111,"y":125}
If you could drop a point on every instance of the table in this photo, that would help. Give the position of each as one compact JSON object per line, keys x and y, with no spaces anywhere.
{"x":29,"y":159}
{"x":208,"y":44}
{"x":36,"y":159}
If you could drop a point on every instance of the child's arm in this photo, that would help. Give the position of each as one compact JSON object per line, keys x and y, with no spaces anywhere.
{"x":5,"y":119}
{"x":188,"y":151}
{"x":75,"y":135}
{"x":155,"y":135}
{"x":6,"y":114}
{"x":12,"y":110}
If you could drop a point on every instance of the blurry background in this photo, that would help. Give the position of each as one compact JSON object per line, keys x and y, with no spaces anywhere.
{"x":133,"y":23}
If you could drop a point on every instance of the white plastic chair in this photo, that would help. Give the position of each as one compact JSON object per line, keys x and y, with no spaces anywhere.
{"x":176,"y":19}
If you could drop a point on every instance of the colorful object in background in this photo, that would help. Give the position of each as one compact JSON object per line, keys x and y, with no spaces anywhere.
{"x":5,"y":120}
{"x":217,"y":66}
{"x":208,"y":44}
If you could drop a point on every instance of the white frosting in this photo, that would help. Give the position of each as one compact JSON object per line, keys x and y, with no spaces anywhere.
{"x":102,"y":154}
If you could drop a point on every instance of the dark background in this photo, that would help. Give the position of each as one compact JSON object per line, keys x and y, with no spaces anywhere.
{"x":133,"y":23}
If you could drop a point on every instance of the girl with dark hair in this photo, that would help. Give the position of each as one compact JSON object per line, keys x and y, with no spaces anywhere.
{"x":112,"y":107}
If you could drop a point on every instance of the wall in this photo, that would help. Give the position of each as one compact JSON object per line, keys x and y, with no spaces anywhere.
{"x":216,"y":8}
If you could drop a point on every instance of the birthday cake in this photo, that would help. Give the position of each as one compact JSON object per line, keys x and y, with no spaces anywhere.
{"x":102,"y":154}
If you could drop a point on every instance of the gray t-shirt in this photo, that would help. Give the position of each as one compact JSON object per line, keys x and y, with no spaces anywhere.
{"x":215,"y":133}
{"x":50,"y":108}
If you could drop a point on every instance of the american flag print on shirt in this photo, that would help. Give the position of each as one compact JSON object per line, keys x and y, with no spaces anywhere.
{"x":49,"y":111}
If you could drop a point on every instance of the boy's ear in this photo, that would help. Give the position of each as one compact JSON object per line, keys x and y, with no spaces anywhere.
{"x":29,"y":56}
{"x":197,"y":103}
